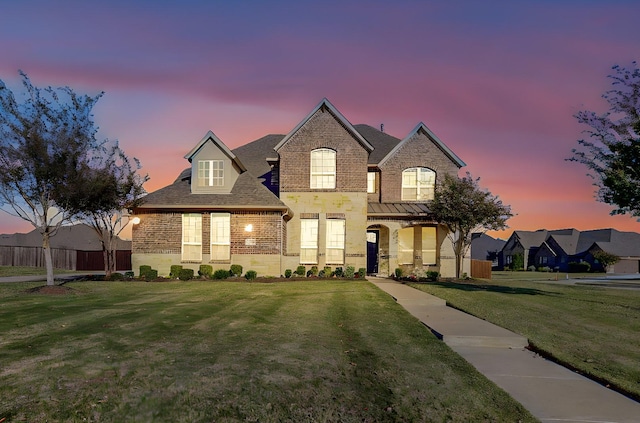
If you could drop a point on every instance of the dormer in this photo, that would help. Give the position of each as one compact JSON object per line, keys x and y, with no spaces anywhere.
{"x":214,"y":168}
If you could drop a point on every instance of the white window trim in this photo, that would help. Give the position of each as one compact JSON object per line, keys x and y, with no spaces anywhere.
{"x":336,"y":232}
{"x":215,"y":177}
{"x":423,"y":191}
{"x":308,"y":241}
{"x":193,"y":239}
{"x":220,"y":242}
{"x":323,"y":177}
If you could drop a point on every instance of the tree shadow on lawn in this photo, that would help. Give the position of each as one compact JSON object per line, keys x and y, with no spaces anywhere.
{"x":481,"y":287}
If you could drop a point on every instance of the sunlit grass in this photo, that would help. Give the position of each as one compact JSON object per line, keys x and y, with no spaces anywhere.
{"x":6,"y":271}
{"x":592,"y":329}
{"x":322,"y":351}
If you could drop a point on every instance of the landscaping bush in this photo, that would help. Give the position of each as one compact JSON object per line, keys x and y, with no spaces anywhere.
{"x":129,"y":275}
{"x":531,"y":268}
{"x":185,"y":274}
{"x":322,"y":274}
{"x":143,"y":270}
{"x":338,"y":272}
{"x":150,"y":275}
{"x":349,"y":272}
{"x":301,"y":270}
{"x":398,"y":272}
{"x":432,"y":275}
{"x":362,"y":272}
{"x":581,"y":267}
{"x":288,"y":273}
{"x":251,"y":275}
{"x":517,"y":262}
{"x":221,"y":274}
{"x":205,"y":270}
{"x":174,"y":273}
{"x":115,"y":276}
{"x":235,"y":270}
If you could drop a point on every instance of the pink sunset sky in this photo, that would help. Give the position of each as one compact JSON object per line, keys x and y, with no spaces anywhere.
{"x":497,"y":81}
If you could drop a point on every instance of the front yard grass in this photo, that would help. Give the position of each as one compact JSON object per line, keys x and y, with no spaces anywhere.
{"x":29,"y":271}
{"x":321,"y":351}
{"x":591,"y":329}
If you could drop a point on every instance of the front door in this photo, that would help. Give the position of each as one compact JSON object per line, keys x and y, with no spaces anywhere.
{"x":373,"y":243}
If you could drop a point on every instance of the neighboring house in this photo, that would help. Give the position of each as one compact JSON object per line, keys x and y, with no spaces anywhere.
{"x":485,"y":247}
{"x":328,"y":193}
{"x":75,"y":247}
{"x":572,"y":245}
{"x":525,"y":243}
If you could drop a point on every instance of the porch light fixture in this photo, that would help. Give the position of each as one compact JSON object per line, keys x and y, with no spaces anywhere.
{"x":248,"y":228}
{"x":135,"y":220}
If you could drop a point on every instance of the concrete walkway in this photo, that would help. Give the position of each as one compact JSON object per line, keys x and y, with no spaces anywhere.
{"x":549,"y":391}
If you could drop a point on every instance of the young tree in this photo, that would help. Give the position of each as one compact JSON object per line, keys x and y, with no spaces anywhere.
{"x":101,"y":192}
{"x":43,"y":140}
{"x":464,"y":208}
{"x":612,"y":150}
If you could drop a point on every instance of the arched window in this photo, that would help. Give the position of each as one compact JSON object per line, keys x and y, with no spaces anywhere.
{"x":418,"y":184}
{"x":323,"y":169}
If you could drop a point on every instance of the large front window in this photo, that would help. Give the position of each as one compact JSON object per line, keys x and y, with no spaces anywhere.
{"x":191,"y":237}
{"x":418,"y":184}
{"x":323,"y":169}
{"x":429,"y":245}
{"x":220,"y":236}
{"x":405,"y":246}
{"x":335,"y":241}
{"x":308,"y":241}
{"x":210,"y":173}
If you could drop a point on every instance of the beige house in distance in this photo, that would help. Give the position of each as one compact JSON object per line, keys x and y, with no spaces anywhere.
{"x":328,"y":193}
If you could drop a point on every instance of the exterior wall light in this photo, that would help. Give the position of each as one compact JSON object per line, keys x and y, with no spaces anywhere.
{"x":248,"y":228}
{"x":135,"y":220}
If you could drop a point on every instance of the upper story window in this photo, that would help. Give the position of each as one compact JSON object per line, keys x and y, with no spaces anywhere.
{"x":371,"y":182}
{"x":323,"y":168}
{"x":418,"y":184}
{"x":210,"y":173}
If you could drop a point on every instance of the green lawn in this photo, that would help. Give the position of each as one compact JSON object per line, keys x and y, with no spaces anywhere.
{"x":28,"y":271}
{"x":595,"y":330}
{"x":322,"y":351}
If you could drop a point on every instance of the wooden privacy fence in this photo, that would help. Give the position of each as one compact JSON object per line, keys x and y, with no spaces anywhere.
{"x":62,"y":259}
{"x":481,"y":269}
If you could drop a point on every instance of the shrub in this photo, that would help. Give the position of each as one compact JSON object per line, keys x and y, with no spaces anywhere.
{"x":362,"y":272}
{"x":581,"y":267}
{"x":432,"y":275}
{"x":175,"y":271}
{"x":128,"y":274}
{"x":517,"y":262}
{"x":322,"y":274}
{"x":301,"y":270}
{"x":327,"y":271}
{"x":398,"y":272}
{"x":221,"y":274}
{"x":185,"y":274}
{"x":235,"y":270}
{"x":339,"y":273}
{"x":144,"y":269}
{"x":115,"y":276}
{"x":251,"y":275}
{"x":531,"y":268}
{"x":288,"y":273}
{"x":205,"y":270}
{"x":349,"y":272}
{"x":150,"y":275}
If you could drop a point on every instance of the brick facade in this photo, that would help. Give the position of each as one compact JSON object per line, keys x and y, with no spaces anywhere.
{"x":418,"y":151}
{"x":322,"y":130}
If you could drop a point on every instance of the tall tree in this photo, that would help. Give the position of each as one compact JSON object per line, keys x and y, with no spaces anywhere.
{"x":611,"y":151}
{"x":101,"y":193}
{"x":461,"y":205}
{"x":43,"y":139}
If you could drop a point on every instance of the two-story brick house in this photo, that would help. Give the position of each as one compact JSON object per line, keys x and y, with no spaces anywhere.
{"x":327,"y":194}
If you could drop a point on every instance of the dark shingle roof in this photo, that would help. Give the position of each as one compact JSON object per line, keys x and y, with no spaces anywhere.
{"x":247,"y":193}
{"x":382,"y":143}
{"x":255,"y":154}
{"x":79,"y":237}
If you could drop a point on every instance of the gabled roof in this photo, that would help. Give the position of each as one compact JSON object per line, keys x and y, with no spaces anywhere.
{"x":210,"y":136}
{"x":421,"y":127}
{"x":622,"y":244}
{"x":529,"y":239}
{"x":247,"y":193}
{"x":382,"y":143}
{"x":255,"y":154}
{"x":79,"y":237}
{"x":327,"y":106}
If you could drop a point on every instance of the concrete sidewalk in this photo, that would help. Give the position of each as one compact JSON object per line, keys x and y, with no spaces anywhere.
{"x":549,"y":391}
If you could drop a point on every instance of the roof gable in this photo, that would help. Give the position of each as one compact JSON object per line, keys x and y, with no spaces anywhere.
{"x":211,"y":137}
{"x":421,"y":127}
{"x":325,"y":105}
